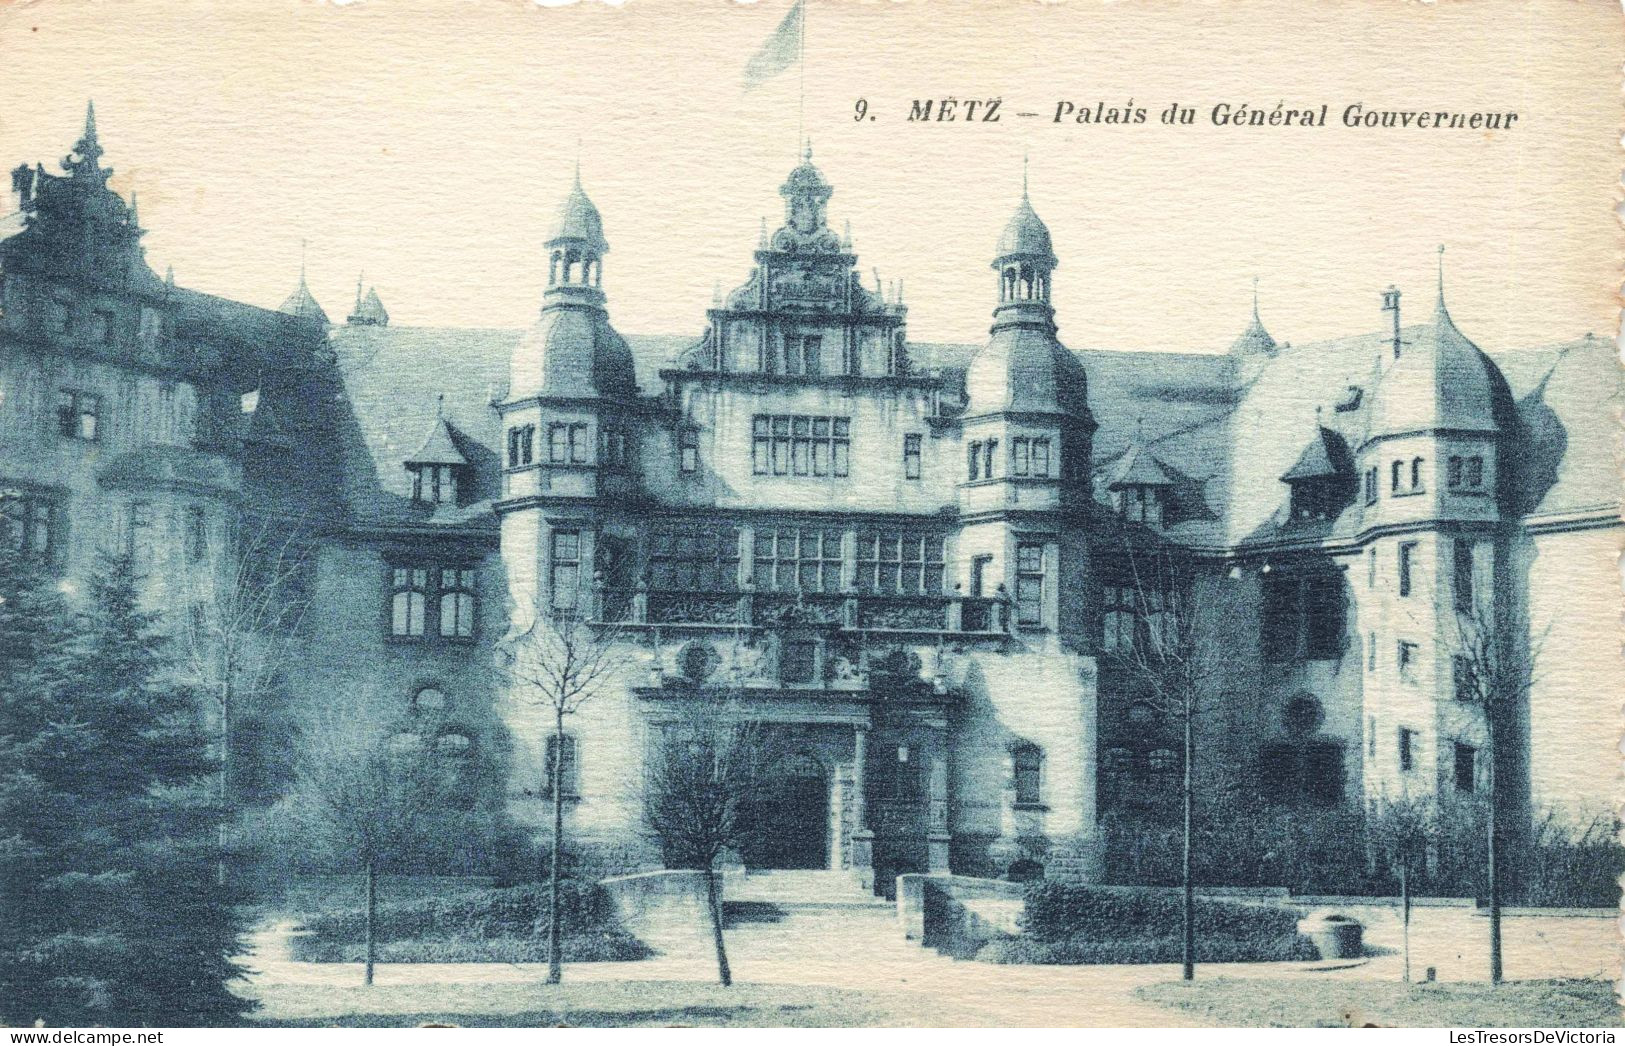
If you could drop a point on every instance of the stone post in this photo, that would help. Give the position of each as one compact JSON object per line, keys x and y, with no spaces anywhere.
{"x":937,"y":837}
{"x":863,"y":840}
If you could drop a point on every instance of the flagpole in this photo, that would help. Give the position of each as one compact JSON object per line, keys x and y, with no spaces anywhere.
{"x":801,"y":64}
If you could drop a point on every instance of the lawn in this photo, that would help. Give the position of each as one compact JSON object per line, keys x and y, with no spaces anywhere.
{"x":596,"y":1004}
{"x":1312,"y":1002}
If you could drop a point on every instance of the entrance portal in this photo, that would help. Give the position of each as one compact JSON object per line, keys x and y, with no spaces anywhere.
{"x":788,"y":824}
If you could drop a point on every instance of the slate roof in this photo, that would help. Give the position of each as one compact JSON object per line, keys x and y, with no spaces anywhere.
{"x":1203,"y":416}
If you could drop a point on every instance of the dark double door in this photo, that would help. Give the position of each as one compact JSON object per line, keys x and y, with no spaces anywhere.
{"x":787,"y":822}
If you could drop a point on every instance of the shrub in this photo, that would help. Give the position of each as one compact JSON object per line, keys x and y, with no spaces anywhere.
{"x":1027,"y":951}
{"x":1070,"y":912}
{"x":489,"y":925}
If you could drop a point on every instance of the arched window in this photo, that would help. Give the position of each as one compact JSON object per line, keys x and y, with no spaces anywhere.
{"x":572,"y":258}
{"x":1027,"y":761}
{"x":1416,"y":473}
{"x":1027,"y":282}
{"x":430,"y":700}
{"x":457,"y":603}
{"x":1399,"y":467}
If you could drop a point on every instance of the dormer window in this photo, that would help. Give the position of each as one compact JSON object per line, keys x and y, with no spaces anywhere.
{"x":1139,"y":503}
{"x":434,"y":484}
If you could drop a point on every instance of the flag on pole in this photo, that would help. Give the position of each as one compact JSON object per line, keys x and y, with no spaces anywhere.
{"x":779,"y":51}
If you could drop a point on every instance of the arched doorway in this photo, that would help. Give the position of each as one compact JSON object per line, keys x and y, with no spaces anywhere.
{"x":788,"y":821}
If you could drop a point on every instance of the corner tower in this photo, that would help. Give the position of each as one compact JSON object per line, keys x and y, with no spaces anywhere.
{"x":571,"y":424}
{"x":1027,"y":434}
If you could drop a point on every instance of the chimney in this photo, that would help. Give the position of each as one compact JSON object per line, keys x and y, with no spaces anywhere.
{"x":1390,"y":304}
{"x":22,"y":183}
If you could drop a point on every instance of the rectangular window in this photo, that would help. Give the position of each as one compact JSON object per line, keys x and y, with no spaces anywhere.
{"x":800,"y":445}
{"x":1475,"y":473}
{"x":973,"y":462}
{"x":1407,"y":558}
{"x":567,"y":443}
{"x":911,"y":455}
{"x":611,"y":447}
{"x":1020,"y":456}
{"x":1028,"y":764}
{"x":1371,"y":486}
{"x":197,"y":534}
{"x":1371,"y":651}
{"x":1407,"y":742}
{"x":1466,"y":765}
{"x":1117,"y":619}
{"x":1398,"y":469}
{"x":408,"y":601}
{"x":1416,"y":476}
{"x":1453,"y":472}
{"x":101,"y":327}
{"x":1323,"y":609}
{"x":900,"y":562}
{"x":566,"y":548}
{"x":568,"y":773}
{"x":1041,"y":458}
{"x":1029,"y":584}
{"x":28,"y":521}
{"x":688,"y":449}
{"x":989,"y":451}
{"x":796,"y":559}
{"x":78,"y":414}
{"x":694,"y":558}
{"x":1407,"y":660}
{"x":457,"y":603}
{"x":804,"y":355}
{"x":434,"y":484}
{"x":1462,"y":574}
{"x":521,"y":445}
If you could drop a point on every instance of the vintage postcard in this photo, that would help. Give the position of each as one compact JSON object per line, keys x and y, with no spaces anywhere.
{"x":810,"y":513}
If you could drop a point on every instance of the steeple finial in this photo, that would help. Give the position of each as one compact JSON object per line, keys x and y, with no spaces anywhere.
{"x":806,"y":153}
{"x":359,"y":280}
{"x":90,"y":120}
{"x":303,"y":243}
{"x":87,"y":151}
{"x":1255,"y":297}
{"x":1441,"y":274}
{"x":440,"y":406}
{"x":1024,"y":162}
{"x":761,"y":237}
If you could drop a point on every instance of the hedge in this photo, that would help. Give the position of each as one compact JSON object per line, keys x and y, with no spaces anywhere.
{"x":1074,"y":923}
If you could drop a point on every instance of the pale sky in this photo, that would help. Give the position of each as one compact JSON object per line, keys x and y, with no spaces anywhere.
{"x":430,"y":143}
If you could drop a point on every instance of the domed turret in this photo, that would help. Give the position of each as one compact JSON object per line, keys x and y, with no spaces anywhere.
{"x":1023,"y":367}
{"x":572,"y":350}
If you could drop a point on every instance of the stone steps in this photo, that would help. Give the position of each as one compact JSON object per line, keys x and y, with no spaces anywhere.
{"x":797,"y":887}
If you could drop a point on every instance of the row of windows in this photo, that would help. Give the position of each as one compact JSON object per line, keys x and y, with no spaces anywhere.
{"x":789,"y":559}
{"x":1463,"y":474}
{"x":1029,"y":456}
{"x":567,"y":443}
{"x":800,"y":445}
{"x":1465,"y":763}
{"x":1461,"y":572}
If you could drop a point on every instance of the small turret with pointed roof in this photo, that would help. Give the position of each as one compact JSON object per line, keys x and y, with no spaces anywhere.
{"x":1255,"y":340}
{"x":369,"y":308}
{"x":301,"y":302}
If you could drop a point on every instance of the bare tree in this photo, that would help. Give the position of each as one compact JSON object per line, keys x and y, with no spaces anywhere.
{"x":1493,"y":666}
{"x":1400,"y":831}
{"x":556,"y":659}
{"x":698,"y":781}
{"x":1175,"y":650}
{"x":372,"y":792}
{"x":247,"y":595}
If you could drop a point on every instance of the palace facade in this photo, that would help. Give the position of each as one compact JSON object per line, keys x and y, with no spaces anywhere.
{"x":924,"y":567}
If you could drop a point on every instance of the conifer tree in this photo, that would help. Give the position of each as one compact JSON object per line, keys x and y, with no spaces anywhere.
{"x":111,"y":911}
